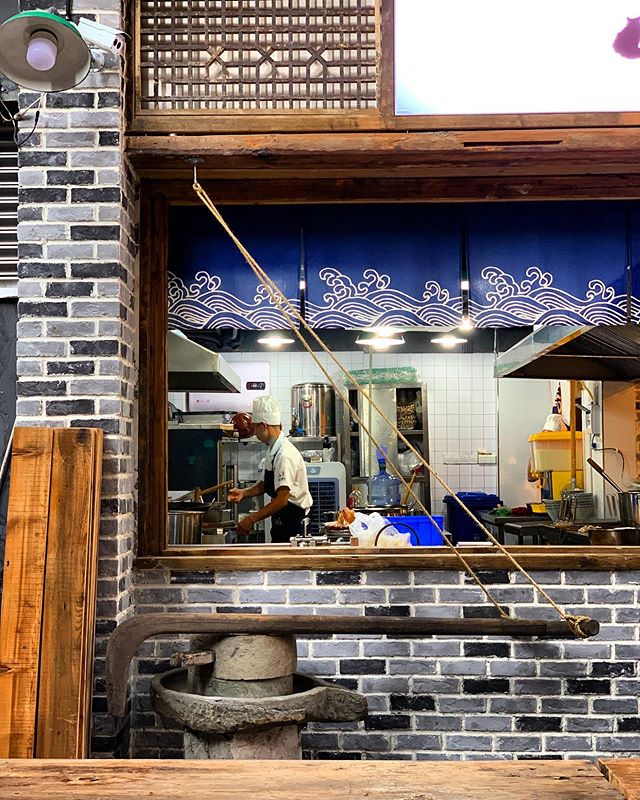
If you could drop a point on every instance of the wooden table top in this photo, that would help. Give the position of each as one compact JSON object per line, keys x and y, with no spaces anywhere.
{"x":624,"y":775}
{"x":23,"y":779}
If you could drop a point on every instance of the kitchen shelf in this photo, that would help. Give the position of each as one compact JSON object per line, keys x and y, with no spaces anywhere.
{"x":356,"y":440}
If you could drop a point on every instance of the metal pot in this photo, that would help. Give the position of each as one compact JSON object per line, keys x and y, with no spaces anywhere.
{"x":313,"y":408}
{"x":185,"y":522}
{"x":629,"y":505}
{"x":615,"y":537}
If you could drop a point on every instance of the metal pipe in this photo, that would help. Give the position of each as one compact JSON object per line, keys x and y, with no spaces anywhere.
{"x":126,"y":639}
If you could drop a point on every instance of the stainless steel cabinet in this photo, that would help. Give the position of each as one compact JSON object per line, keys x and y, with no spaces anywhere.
{"x":406,"y":406}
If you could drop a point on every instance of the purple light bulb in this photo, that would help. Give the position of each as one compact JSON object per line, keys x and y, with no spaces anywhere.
{"x":41,"y":52}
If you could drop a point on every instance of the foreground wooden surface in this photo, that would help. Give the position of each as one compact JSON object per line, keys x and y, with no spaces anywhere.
{"x":303,"y":780}
{"x":624,"y":775}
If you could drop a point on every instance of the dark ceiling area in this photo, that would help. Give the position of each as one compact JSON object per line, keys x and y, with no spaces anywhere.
{"x":480,"y":340}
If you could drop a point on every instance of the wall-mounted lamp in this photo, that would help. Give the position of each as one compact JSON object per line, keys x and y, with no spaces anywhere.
{"x":275,"y":339}
{"x":448,"y":340}
{"x":380,"y":339}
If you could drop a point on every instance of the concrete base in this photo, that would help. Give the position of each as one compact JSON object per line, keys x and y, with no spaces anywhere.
{"x":275,"y":743}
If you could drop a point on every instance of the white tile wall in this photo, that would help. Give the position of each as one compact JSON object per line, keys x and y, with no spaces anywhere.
{"x":461,"y":394}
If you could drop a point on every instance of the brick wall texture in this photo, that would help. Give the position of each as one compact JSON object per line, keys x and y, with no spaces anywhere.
{"x":437,"y":697}
{"x":77,"y":330}
{"x":429,"y":698}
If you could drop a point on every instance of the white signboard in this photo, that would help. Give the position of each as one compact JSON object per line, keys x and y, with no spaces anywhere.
{"x":506,"y":57}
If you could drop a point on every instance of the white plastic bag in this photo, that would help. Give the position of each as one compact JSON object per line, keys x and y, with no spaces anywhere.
{"x":367,"y":527}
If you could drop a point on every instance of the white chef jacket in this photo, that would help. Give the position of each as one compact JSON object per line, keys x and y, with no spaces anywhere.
{"x":289,"y":470}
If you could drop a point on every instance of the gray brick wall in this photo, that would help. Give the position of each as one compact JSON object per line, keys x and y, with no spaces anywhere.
{"x":77,"y":317}
{"x":437,"y":697}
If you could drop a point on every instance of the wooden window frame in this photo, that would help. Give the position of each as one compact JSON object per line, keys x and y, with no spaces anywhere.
{"x":141,"y":120}
{"x":153,"y":550}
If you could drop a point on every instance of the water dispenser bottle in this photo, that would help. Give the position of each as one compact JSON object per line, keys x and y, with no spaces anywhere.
{"x":385,"y":488}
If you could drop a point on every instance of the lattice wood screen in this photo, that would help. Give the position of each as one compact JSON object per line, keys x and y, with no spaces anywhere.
{"x":257,"y":54}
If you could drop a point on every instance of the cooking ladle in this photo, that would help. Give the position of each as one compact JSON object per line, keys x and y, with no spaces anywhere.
{"x":200,"y":493}
{"x":601,"y":472}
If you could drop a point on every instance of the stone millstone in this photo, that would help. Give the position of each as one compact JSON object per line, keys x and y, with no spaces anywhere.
{"x":313,"y":700}
{"x":251,"y":658}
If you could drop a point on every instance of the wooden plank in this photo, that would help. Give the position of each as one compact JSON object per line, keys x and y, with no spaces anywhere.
{"x":23,"y":589}
{"x":231,"y":558}
{"x":623,"y":774}
{"x":66,"y":638}
{"x":304,"y":780}
{"x":91,"y":588}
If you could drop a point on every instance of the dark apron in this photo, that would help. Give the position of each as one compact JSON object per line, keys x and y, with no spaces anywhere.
{"x":287,"y":522}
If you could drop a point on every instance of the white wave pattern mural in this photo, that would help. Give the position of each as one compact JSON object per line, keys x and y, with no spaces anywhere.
{"x":372,"y":301}
{"x":203,"y":303}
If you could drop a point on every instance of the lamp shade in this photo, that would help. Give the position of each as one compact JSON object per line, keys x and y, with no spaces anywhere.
{"x":64,"y":66}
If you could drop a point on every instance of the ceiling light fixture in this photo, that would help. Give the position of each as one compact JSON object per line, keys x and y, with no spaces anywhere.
{"x":381,"y":339}
{"x":275,"y":340}
{"x":466,"y":324}
{"x":448,"y":340}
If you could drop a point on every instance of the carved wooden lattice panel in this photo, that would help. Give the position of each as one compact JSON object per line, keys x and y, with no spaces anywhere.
{"x":257,"y":54}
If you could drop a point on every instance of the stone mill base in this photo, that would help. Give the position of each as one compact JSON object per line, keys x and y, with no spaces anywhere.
{"x":277,"y":743}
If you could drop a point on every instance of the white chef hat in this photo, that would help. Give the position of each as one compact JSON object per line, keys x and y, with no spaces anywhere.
{"x":266,"y":409}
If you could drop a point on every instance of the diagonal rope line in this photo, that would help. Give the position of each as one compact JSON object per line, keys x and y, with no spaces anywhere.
{"x":281,"y":301}
{"x":275,"y":294}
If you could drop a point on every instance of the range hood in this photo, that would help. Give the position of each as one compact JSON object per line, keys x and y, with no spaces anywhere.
{"x":194,"y":368}
{"x":575,"y":352}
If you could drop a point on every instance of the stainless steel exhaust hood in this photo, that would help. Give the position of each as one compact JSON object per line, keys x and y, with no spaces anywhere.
{"x":193,"y":368}
{"x":575,"y":352}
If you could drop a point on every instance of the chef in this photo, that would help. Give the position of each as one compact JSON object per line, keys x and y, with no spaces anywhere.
{"x":284,"y":478}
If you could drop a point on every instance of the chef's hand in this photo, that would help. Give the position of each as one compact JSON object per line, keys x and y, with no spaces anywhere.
{"x":245,"y":524}
{"x":235,"y":495}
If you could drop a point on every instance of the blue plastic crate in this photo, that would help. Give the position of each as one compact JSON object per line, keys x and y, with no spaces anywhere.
{"x":426,"y":533}
{"x":459,"y":523}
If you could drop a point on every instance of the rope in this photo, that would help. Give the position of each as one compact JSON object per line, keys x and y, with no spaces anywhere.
{"x":280,"y":300}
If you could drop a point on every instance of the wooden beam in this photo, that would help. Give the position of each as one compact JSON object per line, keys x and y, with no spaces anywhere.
{"x":125,"y":640}
{"x":304,"y":780}
{"x":267,"y":190}
{"x":585,"y":149}
{"x":236,"y":557}
{"x":153,"y":434}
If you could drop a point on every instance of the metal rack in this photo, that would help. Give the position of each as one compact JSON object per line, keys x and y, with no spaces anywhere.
{"x":357,"y":466}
